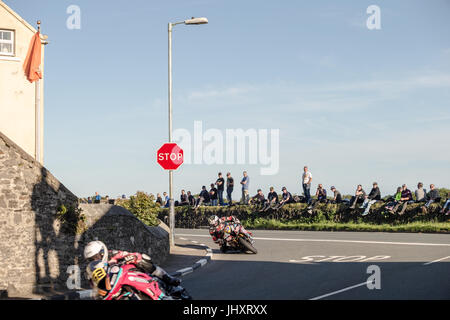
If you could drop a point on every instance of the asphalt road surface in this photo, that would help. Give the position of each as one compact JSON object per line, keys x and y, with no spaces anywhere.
{"x":325,"y":265}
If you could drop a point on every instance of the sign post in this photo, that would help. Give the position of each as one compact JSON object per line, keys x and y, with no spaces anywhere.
{"x":170,"y":156}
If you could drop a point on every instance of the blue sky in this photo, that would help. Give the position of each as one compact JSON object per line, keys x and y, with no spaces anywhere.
{"x":355,"y":105}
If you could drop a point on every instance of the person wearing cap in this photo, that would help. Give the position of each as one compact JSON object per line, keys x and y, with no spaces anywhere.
{"x":370,"y":199}
{"x":337,"y":195}
{"x":287,"y":198}
{"x":272,"y":200}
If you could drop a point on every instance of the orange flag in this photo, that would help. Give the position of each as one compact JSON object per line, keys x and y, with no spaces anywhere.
{"x":33,"y":60}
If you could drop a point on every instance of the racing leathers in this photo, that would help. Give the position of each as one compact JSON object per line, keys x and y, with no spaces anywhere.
{"x":144,"y":263}
{"x":225,"y":228}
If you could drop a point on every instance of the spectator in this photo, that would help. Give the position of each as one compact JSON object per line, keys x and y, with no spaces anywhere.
{"x":397,"y":197}
{"x":159,"y":199}
{"x":213,"y":195}
{"x":306,"y":182}
{"x":337,"y":195}
{"x":373,"y":197}
{"x":446,"y":208}
{"x":272,"y":200}
{"x":420,"y":193}
{"x":202,"y":198}
{"x":124,"y":197}
{"x":287,"y":198}
{"x":258,"y":199}
{"x":432,"y":196}
{"x":89,"y":200}
{"x":405,"y":198}
{"x":230,"y":186}
{"x":245,"y":183}
{"x":183,"y":198}
{"x":359,"y":196}
{"x":166,"y":200}
{"x":321,"y":193}
{"x":220,"y":183}
{"x":191,"y":199}
{"x":97,"y":198}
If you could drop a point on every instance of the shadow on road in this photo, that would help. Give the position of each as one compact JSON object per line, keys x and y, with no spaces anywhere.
{"x":237,"y":279}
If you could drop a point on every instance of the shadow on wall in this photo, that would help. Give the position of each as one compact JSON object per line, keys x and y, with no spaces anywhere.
{"x":55,"y":244}
{"x":63,"y":229}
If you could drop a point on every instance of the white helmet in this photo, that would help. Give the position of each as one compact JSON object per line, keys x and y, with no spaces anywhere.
{"x":213,"y":220}
{"x":96,"y":250}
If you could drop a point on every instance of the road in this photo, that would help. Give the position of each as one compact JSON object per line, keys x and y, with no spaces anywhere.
{"x":325,"y":265}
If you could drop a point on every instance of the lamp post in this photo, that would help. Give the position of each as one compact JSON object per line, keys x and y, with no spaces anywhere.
{"x":192,"y":21}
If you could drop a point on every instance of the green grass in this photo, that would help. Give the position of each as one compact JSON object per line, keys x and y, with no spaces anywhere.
{"x":424,"y":227}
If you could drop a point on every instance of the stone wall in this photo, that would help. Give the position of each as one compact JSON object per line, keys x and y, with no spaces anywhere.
{"x":37,"y":252}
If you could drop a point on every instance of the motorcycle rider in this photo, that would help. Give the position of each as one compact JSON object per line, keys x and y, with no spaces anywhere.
{"x":96,"y":251}
{"x":221,"y":228}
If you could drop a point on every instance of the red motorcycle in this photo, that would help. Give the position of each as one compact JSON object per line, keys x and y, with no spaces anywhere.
{"x":126,"y":282}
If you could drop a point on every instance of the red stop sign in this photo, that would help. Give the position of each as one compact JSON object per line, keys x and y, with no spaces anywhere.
{"x":170,"y":156}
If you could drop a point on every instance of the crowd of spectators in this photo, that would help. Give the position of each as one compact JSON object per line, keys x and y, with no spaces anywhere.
{"x":396,"y":204}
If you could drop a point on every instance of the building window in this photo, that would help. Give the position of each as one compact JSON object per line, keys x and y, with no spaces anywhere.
{"x":6,"y":42}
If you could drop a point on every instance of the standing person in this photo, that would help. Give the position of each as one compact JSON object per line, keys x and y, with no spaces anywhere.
{"x":373,"y":197}
{"x":360,"y":194}
{"x":337,"y":195}
{"x":220,"y":183}
{"x":245,"y":183}
{"x":213,"y":195}
{"x":420,"y":193}
{"x":306,"y":182}
{"x":230,"y":186}
{"x":272,"y":200}
{"x":191,"y":199}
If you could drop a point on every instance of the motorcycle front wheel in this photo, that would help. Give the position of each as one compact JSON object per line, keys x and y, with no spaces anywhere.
{"x":247,"y":245}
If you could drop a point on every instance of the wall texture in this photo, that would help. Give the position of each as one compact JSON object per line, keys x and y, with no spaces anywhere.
{"x":38,"y":252}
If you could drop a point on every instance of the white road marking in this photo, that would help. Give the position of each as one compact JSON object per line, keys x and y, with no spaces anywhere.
{"x":341,"y":241}
{"x":342,"y":290}
{"x":340,"y":259}
{"x":437,"y":260}
{"x":185,"y":271}
{"x":202,"y":262}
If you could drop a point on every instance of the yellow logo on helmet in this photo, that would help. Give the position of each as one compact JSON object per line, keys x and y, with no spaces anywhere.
{"x":227,"y":229}
{"x":98,"y":275}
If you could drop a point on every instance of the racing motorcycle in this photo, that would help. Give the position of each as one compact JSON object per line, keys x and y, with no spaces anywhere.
{"x":238,"y":240}
{"x":126,"y":282}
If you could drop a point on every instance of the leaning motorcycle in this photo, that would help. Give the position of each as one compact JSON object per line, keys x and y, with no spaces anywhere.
{"x":237,"y":239}
{"x":126,"y":282}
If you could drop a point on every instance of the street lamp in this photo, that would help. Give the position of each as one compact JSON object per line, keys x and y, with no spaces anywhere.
{"x":192,"y":21}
